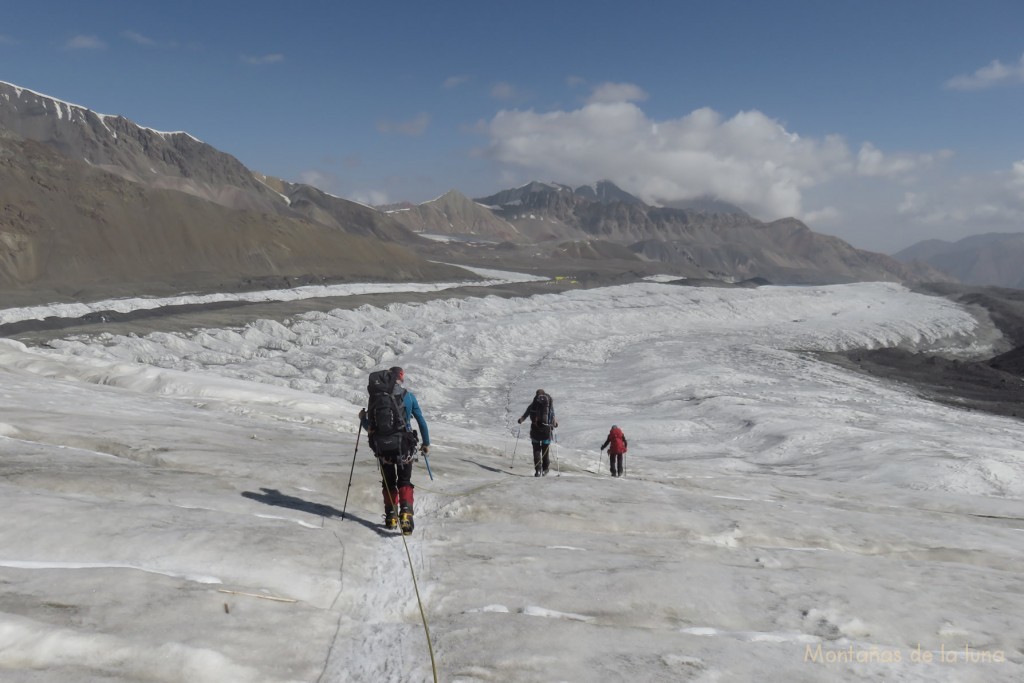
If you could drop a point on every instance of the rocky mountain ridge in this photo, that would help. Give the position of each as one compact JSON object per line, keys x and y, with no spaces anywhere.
{"x":988,"y":259}
{"x":171,"y":178}
{"x":720,"y":241}
{"x":173,"y":161}
{"x":94,"y":206}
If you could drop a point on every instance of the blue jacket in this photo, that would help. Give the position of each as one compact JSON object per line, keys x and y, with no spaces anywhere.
{"x":412,"y":410}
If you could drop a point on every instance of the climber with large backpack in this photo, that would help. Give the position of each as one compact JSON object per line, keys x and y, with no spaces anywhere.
{"x":617,"y":446}
{"x":541,"y":412}
{"x":387,"y":420}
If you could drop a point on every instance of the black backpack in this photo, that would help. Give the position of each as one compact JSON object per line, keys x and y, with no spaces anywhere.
{"x":540,"y":417}
{"x":540,"y":410}
{"x":388,"y":433}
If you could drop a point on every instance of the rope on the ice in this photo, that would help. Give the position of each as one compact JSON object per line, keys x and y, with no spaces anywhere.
{"x":423,"y":615}
{"x":337,"y":626}
{"x":468,"y":492}
{"x":412,"y":571}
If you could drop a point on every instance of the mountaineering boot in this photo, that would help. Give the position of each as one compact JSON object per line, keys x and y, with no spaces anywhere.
{"x":405,"y":520}
{"x":536,"y":472}
{"x":405,"y":496}
{"x":390,"y":507}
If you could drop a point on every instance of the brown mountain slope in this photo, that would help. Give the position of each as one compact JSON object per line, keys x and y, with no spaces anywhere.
{"x":352,"y":217}
{"x":783,"y":251}
{"x":64,"y":223}
{"x":178,"y":161}
{"x":174,"y":161}
{"x":456,"y":214}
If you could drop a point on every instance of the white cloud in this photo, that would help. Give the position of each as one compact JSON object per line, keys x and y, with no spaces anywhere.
{"x":913,"y":203}
{"x":331,"y":184}
{"x":575,"y":81}
{"x":617,"y":92}
{"x":750,"y":159}
{"x":1012,"y":189}
{"x":83,"y":42}
{"x":975,"y":204}
{"x":874,"y":198}
{"x":503,"y":91}
{"x":978,"y":217}
{"x":138,"y":38}
{"x":872,"y":162}
{"x":825,"y":216}
{"x":454,"y":81}
{"x":989,"y":76}
{"x":318,"y":179}
{"x":273,"y":58}
{"x":414,"y":126}
{"x":1016,"y":183}
{"x":370,"y":197}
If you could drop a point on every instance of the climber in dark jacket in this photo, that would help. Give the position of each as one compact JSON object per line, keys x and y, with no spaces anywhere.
{"x":541,"y":412}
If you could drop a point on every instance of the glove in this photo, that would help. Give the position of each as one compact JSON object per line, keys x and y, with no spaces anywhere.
{"x":362,"y":414}
{"x":520,"y":420}
{"x":602,"y":449}
{"x":424,"y":449}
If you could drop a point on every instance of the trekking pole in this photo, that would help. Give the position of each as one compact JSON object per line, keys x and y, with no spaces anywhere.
{"x":597,"y":463}
{"x":558,"y":467}
{"x":518,"y":429}
{"x":353,"y":469}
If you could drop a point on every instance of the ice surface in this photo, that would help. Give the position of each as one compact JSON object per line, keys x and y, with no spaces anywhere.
{"x":780,"y":519}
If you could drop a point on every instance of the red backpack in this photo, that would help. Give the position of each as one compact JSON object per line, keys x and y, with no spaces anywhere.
{"x":616,"y":441}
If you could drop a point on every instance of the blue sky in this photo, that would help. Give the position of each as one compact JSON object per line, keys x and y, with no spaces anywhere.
{"x":883,"y":123}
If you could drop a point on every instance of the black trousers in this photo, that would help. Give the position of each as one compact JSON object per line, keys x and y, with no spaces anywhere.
{"x":541,"y":453}
{"x":396,"y":476}
{"x":615,"y":461}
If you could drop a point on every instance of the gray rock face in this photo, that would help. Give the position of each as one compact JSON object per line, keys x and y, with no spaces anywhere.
{"x":989,"y":259}
{"x":724,"y":243}
{"x":606,"y":192}
{"x":175,"y":161}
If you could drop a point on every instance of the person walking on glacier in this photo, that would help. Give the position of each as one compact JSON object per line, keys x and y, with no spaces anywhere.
{"x":541,"y":412}
{"x":387,"y":420}
{"x":617,"y":446}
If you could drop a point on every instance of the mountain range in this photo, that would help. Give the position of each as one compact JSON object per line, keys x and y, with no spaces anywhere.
{"x":989,"y":259}
{"x":714,"y":240}
{"x":95,"y":204}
